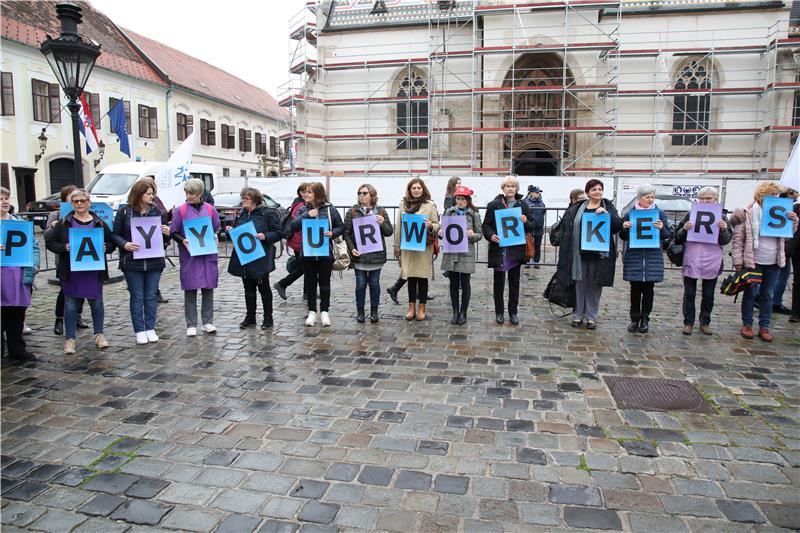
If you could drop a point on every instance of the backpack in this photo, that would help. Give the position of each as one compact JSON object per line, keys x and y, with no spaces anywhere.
{"x":738,"y":282}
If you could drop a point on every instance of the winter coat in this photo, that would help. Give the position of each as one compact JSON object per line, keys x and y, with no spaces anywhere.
{"x":742,"y":251}
{"x":537,"y":208}
{"x":702,"y":260}
{"x":202,"y":271}
{"x":29,"y":273}
{"x":373,"y":258}
{"x":57,"y":239}
{"x":265,"y":221}
{"x":643,"y":264}
{"x":417,"y":264}
{"x":517,"y":253}
{"x":464,"y":262}
{"x":604,"y":275}
{"x":122,"y":235}
{"x":449,"y":201}
{"x":324,"y":212}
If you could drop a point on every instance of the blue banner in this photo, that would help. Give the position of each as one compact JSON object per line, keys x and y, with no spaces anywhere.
{"x":104,"y":212}
{"x":246,"y":244}
{"x":86,"y":249}
{"x":200,"y":234}
{"x":595,"y":232}
{"x":16,"y":237}
{"x":64,"y":209}
{"x":315,"y":242}
{"x":642,"y":232}
{"x":413,"y":233}
{"x":509,"y":226}
{"x":774,"y":218}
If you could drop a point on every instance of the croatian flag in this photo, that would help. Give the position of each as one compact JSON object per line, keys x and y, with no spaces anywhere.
{"x":86,"y":126}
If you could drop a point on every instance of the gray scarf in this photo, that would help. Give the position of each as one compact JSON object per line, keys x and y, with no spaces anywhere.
{"x":576,"y":243}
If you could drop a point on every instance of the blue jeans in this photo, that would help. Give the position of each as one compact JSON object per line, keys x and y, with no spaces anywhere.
{"x":72,"y":307}
{"x":780,"y":285}
{"x":769,"y":276}
{"x":143,"y":287}
{"x":373,"y":279}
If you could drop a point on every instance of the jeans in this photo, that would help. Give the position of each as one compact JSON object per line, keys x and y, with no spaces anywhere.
{"x":143,"y":287}
{"x":418,"y":290}
{"x":769,"y":276}
{"x":60,"y":305}
{"x":318,"y":273}
{"x":706,"y":300}
{"x":71,"y":306}
{"x":780,"y":284}
{"x":499,"y":288}
{"x":641,"y":300}
{"x":460,"y":281}
{"x":373,"y":279}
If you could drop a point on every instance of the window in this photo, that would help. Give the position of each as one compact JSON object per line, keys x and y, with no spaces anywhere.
{"x":226,"y":172}
{"x":691,"y":111}
{"x":261,"y":143}
{"x":7,"y":93}
{"x":228,"y":137}
{"x":242,"y":173}
{"x":46,"y":101}
{"x":148,"y":122}
{"x":93,"y":99}
{"x":273,"y":146}
{"x":245,"y":140}
{"x":127,"y":105}
{"x":185,"y":126}
{"x":208,"y":132}
{"x":412,"y":115}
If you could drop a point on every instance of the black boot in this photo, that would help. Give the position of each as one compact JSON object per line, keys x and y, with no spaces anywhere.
{"x":360,"y":318}
{"x":373,"y":314}
{"x":633,"y":326}
{"x":454,"y":320}
{"x":250,"y":306}
{"x":58,"y":327}
{"x":82,"y":324}
{"x":644,"y":325}
{"x":462,"y":318}
{"x":393,"y":294}
{"x":267,"y":323}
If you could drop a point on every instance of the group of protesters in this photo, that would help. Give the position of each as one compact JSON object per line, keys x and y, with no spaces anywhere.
{"x":582,"y":272}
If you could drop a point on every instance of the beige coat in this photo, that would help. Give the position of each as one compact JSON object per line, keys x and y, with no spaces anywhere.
{"x":417,"y":264}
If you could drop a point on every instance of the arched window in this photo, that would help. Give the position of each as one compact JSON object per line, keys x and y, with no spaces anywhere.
{"x":692,"y":111}
{"x":412,"y":115}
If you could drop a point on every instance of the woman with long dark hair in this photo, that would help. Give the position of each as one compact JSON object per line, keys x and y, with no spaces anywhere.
{"x":461,"y":266}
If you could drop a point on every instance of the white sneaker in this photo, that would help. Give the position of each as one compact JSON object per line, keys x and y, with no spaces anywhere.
{"x":151,"y":335}
{"x":209,"y":328}
{"x":26,"y":330}
{"x":141,"y":338}
{"x":191,"y":332}
{"x":312,"y":318}
{"x":325,"y":318}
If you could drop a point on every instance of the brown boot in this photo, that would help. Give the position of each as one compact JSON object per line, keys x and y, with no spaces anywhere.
{"x":412,"y":310}
{"x":421,"y":312}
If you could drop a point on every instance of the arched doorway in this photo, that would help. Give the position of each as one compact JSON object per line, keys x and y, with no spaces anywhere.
{"x":535,"y":162}
{"x":62,"y":172}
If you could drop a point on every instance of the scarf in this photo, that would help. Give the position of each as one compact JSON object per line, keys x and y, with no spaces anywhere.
{"x":461,"y":212}
{"x":411,"y":205}
{"x":577,"y":274}
{"x":756,"y":224}
{"x":637,"y":205}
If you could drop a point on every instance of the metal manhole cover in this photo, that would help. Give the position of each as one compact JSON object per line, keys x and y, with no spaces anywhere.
{"x":649,"y":394}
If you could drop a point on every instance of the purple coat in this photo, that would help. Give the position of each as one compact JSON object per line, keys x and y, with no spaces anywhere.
{"x":199,"y":272}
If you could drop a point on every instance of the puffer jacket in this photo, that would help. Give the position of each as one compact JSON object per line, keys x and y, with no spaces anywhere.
{"x":643,"y":264}
{"x":326,"y":211}
{"x":489,"y":227}
{"x":265,"y":221}
{"x":742,"y":251}
{"x":464,"y":262}
{"x":373,"y":258}
{"x":122,"y":234}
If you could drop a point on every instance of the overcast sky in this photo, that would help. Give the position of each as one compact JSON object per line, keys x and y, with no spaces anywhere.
{"x":246,"y":38}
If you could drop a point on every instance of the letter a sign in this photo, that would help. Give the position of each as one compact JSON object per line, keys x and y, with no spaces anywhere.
{"x":86,"y":250}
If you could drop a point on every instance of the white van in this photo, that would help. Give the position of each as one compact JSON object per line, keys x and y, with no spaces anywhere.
{"x":114,"y":183}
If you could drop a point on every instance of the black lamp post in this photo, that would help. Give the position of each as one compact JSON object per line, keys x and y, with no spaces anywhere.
{"x":72,"y":60}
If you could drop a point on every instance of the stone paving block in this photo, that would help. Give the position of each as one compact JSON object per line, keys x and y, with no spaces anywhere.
{"x":499,"y":510}
{"x":268,"y":482}
{"x":575,"y":495}
{"x":239,"y":501}
{"x":740,"y":511}
{"x":141,"y":512}
{"x":189,"y":494}
{"x":697,"y":487}
{"x":358,"y":517}
{"x":237,"y":523}
{"x":685,"y":505}
{"x":65,"y":498}
{"x":101,"y":525}
{"x":412,"y":480}
{"x":72,"y":477}
{"x":631,"y":500}
{"x":656,"y":523}
{"x":56,"y":520}
{"x":531,"y":456}
{"x":317,"y":512}
{"x":146,"y":488}
{"x":277,"y":526}
{"x":451,"y":484}
{"x":278,"y":507}
{"x":265,"y":462}
{"x":20,"y":513}
{"x":757,"y":473}
{"x":191,"y":520}
{"x":25,"y":491}
{"x":782,"y":515}
{"x":375,"y":475}
{"x":540,"y":514}
{"x":309,"y":488}
{"x":397,"y":521}
{"x":592,"y":518}
{"x":101,"y":505}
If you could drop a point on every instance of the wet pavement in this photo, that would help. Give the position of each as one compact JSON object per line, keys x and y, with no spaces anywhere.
{"x":399,"y":426}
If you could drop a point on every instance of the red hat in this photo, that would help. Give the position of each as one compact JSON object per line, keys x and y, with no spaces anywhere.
{"x":463,"y":191}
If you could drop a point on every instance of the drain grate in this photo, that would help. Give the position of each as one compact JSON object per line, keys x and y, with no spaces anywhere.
{"x":650,"y":394}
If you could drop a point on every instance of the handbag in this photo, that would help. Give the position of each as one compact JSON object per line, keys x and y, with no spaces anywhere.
{"x":558,"y":293}
{"x":341,"y":256}
{"x":530,"y":247}
{"x":675,"y":253}
{"x":737,"y":282}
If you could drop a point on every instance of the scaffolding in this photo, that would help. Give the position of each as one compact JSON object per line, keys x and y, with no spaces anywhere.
{"x":561,"y":87}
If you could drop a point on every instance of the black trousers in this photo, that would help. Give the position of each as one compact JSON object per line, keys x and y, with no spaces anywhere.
{"x":641,"y":300}
{"x":460,"y":281}
{"x":60,"y":305}
{"x":513,"y":290}
{"x":318,"y":273}
{"x":12,"y":320}
{"x":538,"y":233}
{"x":418,"y":290}
{"x":706,"y":300}
{"x":397,"y":285}
{"x":293,"y":275}
{"x":250,"y":288}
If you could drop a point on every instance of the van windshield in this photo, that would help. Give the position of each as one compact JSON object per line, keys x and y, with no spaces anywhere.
{"x":112,"y":184}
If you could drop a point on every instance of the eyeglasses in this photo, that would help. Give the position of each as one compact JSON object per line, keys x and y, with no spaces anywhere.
{"x":363,"y":193}
{"x":80,"y":201}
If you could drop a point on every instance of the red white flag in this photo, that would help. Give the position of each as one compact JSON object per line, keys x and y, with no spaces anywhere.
{"x":86,"y":126}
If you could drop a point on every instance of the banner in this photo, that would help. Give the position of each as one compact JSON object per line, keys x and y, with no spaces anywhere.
{"x":454,"y":235}
{"x":642,"y":232}
{"x":315,"y":242}
{"x":412,"y":232}
{"x":146,"y":232}
{"x":510,"y":227}
{"x":774,"y":219}
{"x":247,"y":246}
{"x":16,"y":237}
{"x":200,"y":234}
{"x":595,"y":232}
{"x":175,"y":171}
{"x":367,"y":234}
{"x":86,"y":249}
{"x":704,"y":218}
{"x":101,"y":209}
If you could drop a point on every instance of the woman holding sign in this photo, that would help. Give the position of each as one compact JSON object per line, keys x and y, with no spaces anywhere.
{"x":83,"y":272}
{"x":461,"y":265}
{"x":756,"y":248}
{"x":139,"y":235}
{"x":506,"y":236}
{"x":417,"y":225}
{"x":365,"y":227}
{"x":194,"y":227}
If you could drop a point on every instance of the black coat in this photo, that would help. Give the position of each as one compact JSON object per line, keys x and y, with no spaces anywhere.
{"x":323,"y":212}
{"x":605,"y":270}
{"x":374,"y":258}
{"x":122,"y":235}
{"x":266,"y":221}
{"x":517,"y":253}
{"x":57,"y":238}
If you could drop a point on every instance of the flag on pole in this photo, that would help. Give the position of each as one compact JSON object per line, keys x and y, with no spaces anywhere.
{"x":120,"y":127}
{"x":791,"y":173}
{"x":86,"y":125}
{"x":175,"y":171}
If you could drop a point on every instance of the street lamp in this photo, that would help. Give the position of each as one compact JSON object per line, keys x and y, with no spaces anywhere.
{"x":101,"y":149}
{"x":72,"y":60}
{"x":42,"y":146}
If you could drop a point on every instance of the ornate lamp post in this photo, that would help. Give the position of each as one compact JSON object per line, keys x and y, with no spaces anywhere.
{"x":72,"y":60}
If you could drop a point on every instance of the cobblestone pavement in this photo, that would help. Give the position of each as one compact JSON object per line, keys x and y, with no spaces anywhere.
{"x":399,"y":426}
